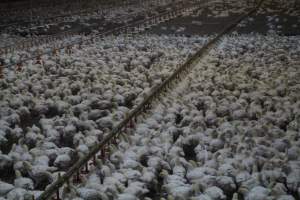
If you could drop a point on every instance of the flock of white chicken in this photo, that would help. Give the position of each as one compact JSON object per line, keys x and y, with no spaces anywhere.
{"x":230,"y":130}
{"x":52,"y":112}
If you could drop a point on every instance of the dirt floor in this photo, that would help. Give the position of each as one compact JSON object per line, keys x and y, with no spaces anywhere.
{"x":205,"y":23}
{"x":86,"y":23}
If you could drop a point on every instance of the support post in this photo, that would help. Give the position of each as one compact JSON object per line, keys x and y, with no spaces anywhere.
{"x":77,"y":177}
